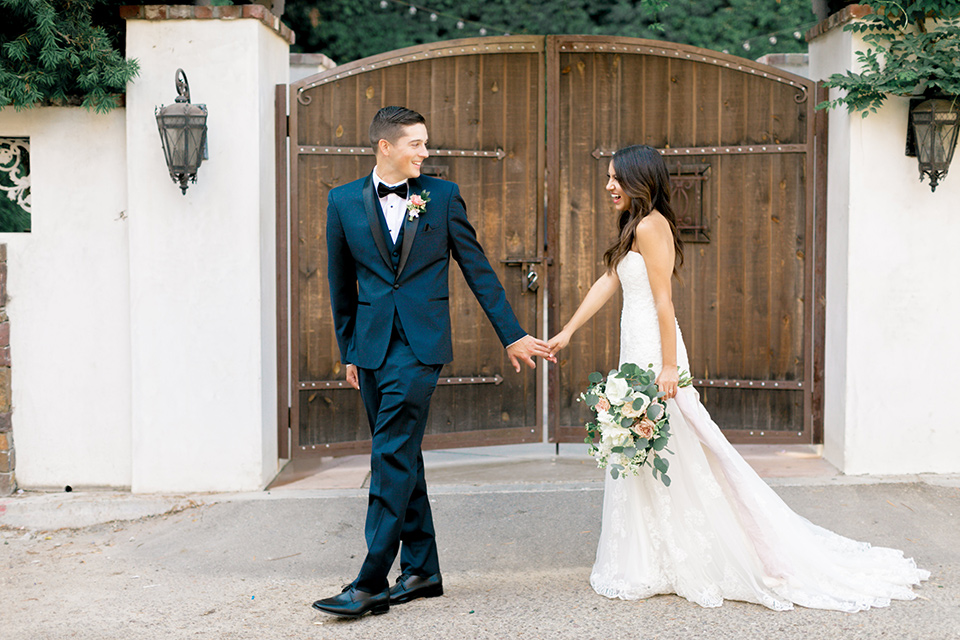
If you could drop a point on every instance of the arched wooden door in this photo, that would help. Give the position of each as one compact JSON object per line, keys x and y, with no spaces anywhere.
{"x":526,"y":127}
{"x":483,"y":101}
{"x":739,"y":140}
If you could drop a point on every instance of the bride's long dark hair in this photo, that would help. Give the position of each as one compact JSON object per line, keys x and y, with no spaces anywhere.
{"x":643,"y":176}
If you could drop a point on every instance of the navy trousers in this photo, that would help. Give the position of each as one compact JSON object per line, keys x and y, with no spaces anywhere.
{"x":397,"y":399}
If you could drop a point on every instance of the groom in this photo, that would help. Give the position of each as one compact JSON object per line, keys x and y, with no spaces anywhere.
{"x":389,"y":240}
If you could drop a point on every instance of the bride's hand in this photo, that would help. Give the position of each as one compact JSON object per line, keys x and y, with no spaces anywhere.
{"x":669,"y":380}
{"x":557,"y":342}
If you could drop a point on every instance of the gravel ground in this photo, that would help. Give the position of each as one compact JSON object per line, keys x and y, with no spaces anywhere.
{"x":516,"y":564}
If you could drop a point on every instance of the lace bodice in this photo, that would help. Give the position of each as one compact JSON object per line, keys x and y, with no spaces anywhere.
{"x":639,"y":325}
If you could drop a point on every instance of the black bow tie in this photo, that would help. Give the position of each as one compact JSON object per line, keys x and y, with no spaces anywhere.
{"x":383,"y":190}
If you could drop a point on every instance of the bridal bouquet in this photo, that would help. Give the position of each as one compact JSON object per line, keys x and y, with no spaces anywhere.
{"x":632,"y":425}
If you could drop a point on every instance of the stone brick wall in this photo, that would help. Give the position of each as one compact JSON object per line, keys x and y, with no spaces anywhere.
{"x":8,"y":481}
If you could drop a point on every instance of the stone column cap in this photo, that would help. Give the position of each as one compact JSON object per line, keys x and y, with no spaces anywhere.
{"x":836,"y":20}
{"x":190,"y":12}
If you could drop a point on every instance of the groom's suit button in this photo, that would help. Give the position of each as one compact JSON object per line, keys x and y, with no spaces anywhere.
{"x":396,"y":286}
{"x":396,"y":253}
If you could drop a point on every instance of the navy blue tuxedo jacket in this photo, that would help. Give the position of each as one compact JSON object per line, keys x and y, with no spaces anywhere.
{"x":368,"y":287}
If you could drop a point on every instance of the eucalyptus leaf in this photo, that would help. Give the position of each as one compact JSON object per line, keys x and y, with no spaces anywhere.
{"x":654,"y":411}
{"x":595,"y":377}
{"x":661,"y":464}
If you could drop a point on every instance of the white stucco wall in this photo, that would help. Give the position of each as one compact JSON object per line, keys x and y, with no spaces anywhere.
{"x":68,"y":282}
{"x":892,"y":301}
{"x":202,"y":265}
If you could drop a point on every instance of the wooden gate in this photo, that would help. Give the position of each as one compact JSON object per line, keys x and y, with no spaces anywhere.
{"x":526,"y":126}
{"x":738,"y":138}
{"x":484,"y":104}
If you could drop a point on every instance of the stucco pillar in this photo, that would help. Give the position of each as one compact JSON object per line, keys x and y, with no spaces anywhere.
{"x":202,"y":265}
{"x":892,"y":297}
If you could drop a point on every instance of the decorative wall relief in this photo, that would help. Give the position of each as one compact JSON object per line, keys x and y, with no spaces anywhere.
{"x":15,"y":209}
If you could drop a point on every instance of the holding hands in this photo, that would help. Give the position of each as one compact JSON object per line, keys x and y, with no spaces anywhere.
{"x":559,"y":341}
{"x":525,"y":349}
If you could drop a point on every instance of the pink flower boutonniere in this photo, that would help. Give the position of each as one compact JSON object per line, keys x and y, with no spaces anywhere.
{"x":417,"y":204}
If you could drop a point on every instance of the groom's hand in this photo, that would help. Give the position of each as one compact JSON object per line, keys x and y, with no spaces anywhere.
{"x":352,"y":378}
{"x":525,"y":349}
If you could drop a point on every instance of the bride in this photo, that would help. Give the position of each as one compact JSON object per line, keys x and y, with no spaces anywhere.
{"x":718,"y":531}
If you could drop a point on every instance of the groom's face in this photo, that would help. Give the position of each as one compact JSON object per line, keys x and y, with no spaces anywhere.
{"x":401,"y":159}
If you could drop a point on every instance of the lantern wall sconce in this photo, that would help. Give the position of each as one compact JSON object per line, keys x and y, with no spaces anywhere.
{"x":932,"y":135}
{"x":183,"y":134}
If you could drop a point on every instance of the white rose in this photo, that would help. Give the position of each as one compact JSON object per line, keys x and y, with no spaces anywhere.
{"x":617,"y":389}
{"x":617,"y":436}
{"x":605,"y":419}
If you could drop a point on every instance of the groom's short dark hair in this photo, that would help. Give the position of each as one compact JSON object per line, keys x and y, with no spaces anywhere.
{"x":389,"y":122}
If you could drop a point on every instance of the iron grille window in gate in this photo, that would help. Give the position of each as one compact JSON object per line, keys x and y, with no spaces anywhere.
{"x":687,"y":198}
{"x":14,"y":184}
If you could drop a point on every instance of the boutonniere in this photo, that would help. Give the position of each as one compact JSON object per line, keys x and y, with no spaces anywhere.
{"x":417,"y":204}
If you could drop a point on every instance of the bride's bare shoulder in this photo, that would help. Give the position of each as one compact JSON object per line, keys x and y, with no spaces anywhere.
{"x":652,"y":231}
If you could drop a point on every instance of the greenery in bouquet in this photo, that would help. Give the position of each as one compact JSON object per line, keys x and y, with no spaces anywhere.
{"x":632,"y":426}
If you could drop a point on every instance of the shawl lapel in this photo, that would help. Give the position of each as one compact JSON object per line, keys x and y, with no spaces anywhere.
{"x":409,"y":226}
{"x":372,"y":207}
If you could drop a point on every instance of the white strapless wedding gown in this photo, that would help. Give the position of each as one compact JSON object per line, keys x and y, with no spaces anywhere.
{"x":718,"y":532}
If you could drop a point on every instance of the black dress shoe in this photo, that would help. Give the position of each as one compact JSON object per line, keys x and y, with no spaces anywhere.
{"x":353,"y":603}
{"x":410,"y":587}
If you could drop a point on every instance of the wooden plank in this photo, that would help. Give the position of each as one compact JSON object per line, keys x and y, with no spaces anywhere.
{"x":787,"y":265}
{"x":728,"y":237}
{"x":283,"y":336}
{"x":755,"y":245}
{"x":493,"y":405}
{"x":683,"y":114}
{"x":521,"y":206}
{"x":464,"y":307}
{"x":587,"y":223}
{"x":609,"y":123}
{"x":684,"y":103}
{"x":442,"y":125}
{"x":700,"y":321}
{"x":820,"y":257}
{"x":554,"y":251}
{"x":293,"y":366}
{"x":656,"y":107}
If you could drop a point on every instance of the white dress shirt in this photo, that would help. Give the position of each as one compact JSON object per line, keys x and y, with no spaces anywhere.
{"x":394,"y":207}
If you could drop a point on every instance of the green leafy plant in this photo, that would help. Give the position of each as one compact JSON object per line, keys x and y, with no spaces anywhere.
{"x":751,"y":28}
{"x":913,"y":47}
{"x":61,"y":52}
